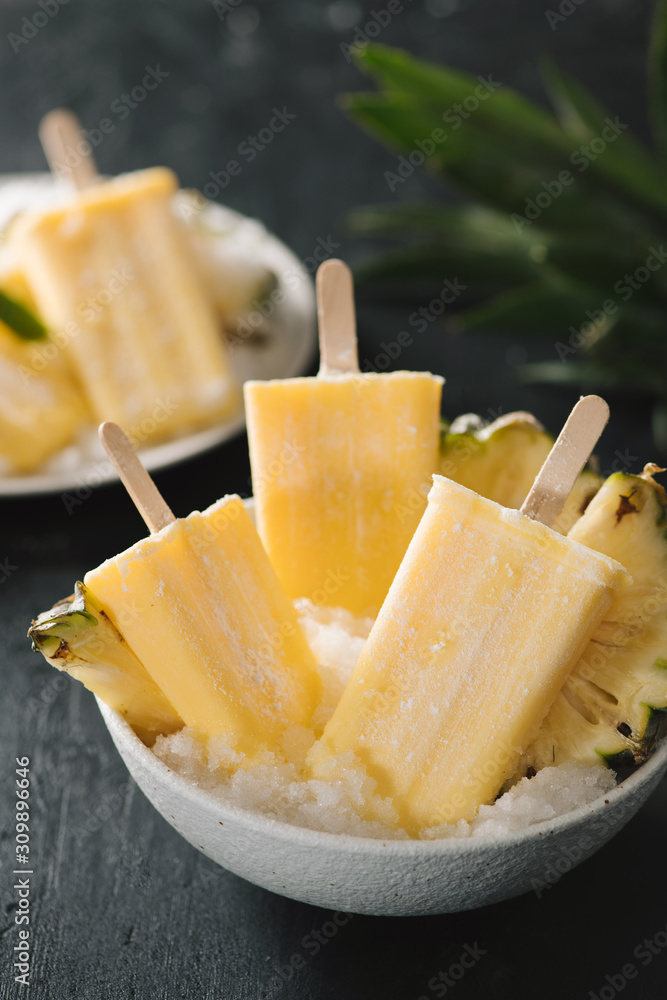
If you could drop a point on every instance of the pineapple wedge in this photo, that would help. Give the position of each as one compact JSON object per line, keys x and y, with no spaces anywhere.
{"x":78,"y":637}
{"x":500,"y":461}
{"x":614,"y":704}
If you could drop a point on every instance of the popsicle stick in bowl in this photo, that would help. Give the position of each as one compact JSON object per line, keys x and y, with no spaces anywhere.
{"x":141,"y":488}
{"x":60,"y":133}
{"x":336,"y":319}
{"x":566,"y":459}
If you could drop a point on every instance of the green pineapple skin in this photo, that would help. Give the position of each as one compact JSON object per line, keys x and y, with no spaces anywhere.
{"x":613,"y":707}
{"x":77,"y":637}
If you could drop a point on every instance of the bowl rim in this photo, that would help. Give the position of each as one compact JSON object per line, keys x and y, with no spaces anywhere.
{"x":123,"y":734}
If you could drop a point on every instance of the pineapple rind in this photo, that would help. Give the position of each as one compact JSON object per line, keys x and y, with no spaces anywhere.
{"x":76,"y":636}
{"x":619,"y":684}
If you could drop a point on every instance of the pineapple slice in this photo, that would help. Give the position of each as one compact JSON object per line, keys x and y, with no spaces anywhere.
{"x":614,"y":704}
{"x":500,"y":461}
{"x":77,"y":636}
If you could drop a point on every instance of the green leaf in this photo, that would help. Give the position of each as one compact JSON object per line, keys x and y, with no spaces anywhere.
{"x":426,"y":267}
{"x":473,"y":226}
{"x":490,"y":166}
{"x":625,"y":161}
{"x":473,"y":229}
{"x":580,"y":115}
{"x":20,"y":319}
{"x":537,"y":307}
{"x":507,"y":122}
{"x":569,"y":373}
{"x":591,"y":377}
{"x":442,"y":88}
{"x":657,"y":76}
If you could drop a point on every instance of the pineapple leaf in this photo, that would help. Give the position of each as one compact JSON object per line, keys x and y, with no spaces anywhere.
{"x":590,"y":376}
{"x":505,"y":118}
{"x":549,"y":252}
{"x":485,"y":248}
{"x":461,"y":227}
{"x":441,"y":88}
{"x":657,"y":76}
{"x":535,"y":306}
{"x":427,"y":264}
{"x":623,"y":161}
{"x":21,"y":320}
{"x":580,"y":115}
{"x":488,"y":167}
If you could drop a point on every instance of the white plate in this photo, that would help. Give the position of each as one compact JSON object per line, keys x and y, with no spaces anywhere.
{"x":288,"y":342}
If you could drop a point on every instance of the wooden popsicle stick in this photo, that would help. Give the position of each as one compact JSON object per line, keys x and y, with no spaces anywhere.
{"x":566,"y":459}
{"x":143,"y":491}
{"x":336,"y":318}
{"x":60,"y":133}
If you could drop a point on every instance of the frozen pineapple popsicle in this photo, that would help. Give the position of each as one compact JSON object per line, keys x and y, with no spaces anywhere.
{"x":488,"y":613}
{"x":111,"y":270}
{"x":340,"y":463}
{"x":41,"y":406}
{"x":200,"y":606}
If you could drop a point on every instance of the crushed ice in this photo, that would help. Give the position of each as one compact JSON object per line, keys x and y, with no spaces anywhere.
{"x":274,"y":785}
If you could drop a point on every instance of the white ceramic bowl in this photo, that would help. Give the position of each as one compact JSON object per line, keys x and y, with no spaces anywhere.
{"x":384,"y":878}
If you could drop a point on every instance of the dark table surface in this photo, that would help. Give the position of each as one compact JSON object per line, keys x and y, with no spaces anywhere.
{"x":121,"y":905}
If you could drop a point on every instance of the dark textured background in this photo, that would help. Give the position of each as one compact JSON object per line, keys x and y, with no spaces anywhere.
{"x":122,"y":906}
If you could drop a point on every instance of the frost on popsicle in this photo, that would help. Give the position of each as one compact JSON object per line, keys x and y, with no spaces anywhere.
{"x":111,"y":268}
{"x":341,"y":463}
{"x":41,"y":408}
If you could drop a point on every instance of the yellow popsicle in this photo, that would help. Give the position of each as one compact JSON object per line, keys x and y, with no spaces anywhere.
{"x":340,"y":467}
{"x":488,"y":613}
{"x":41,"y":405}
{"x":111,"y":271}
{"x":200,"y":605}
